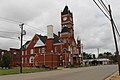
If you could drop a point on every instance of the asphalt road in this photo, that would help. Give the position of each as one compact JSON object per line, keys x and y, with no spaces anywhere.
{"x":85,"y":73}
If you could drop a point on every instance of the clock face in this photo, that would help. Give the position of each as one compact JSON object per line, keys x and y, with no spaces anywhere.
{"x":64,"y":18}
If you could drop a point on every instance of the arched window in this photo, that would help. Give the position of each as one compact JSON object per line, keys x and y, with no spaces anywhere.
{"x":31,"y":60}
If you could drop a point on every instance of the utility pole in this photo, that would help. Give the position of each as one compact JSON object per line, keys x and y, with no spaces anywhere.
{"x":108,"y":13}
{"x":22,"y":33}
{"x":98,"y":56}
{"x":82,"y":52}
{"x":116,"y":46}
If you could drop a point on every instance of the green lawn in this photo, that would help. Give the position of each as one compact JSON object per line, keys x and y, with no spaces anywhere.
{"x":17,"y":71}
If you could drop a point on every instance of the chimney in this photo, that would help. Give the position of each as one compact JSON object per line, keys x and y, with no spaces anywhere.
{"x":49,"y":31}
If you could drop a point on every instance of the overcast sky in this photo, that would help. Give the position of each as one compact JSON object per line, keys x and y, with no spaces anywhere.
{"x":90,"y":24}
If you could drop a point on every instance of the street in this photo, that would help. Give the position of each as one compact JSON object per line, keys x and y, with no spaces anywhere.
{"x":84,"y":73}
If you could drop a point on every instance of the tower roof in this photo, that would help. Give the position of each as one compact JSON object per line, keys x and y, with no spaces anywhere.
{"x":65,"y":29}
{"x":66,"y":11}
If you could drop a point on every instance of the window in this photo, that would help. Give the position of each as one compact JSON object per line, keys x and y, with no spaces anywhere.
{"x":32,"y":51}
{"x":26,"y":60}
{"x":26,"y":52}
{"x":31,"y":60}
{"x":39,"y":50}
{"x":2,"y":53}
{"x":35,"y":41}
{"x":22,"y":60}
{"x":37,"y":63}
{"x":22,"y":52}
{"x":55,"y":49}
{"x":43,"y":50}
{"x":64,"y":40}
{"x":15,"y":52}
{"x":68,"y":48}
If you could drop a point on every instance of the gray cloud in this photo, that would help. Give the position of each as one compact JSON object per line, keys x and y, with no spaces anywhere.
{"x":89,"y":22}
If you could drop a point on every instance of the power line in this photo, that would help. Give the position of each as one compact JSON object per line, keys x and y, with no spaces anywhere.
{"x":114,"y":27}
{"x":8,"y":37}
{"x":32,"y":27}
{"x":104,"y":6}
{"x":10,"y":20}
{"x":101,"y":9}
{"x":11,"y":38}
{"x":106,"y":9}
{"x":9,"y":32}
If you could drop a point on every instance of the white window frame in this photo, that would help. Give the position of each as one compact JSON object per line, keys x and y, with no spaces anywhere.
{"x":43,"y":50}
{"x":22,"y":52}
{"x":32,"y":51}
{"x":36,"y":62}
{"x":31,"y":60}
{"x":25,"y":60}
{"x":15,"y":53}
{"x":26,"y":52}
{"x":39,"y":50}
{"x":69,"y":48}
{"x":3,"y":52}
{"x":55,"y":49}
{"x":22,"y":60}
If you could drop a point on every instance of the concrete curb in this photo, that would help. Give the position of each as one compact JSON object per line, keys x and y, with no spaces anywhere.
{"x":113,"y":74}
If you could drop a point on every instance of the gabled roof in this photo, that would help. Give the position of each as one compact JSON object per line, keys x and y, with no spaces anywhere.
{"x":44,"y":38}
{"x":56,"y":39}
{"x":41,"y":41}
{"x":27,"y":42}
{"x":65,"y":29}
{"x":25,"y":45}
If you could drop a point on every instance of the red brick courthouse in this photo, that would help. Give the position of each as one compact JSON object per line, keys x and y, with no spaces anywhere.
{"x":53,"y":50}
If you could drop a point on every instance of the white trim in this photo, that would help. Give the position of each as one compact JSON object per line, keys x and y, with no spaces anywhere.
{"x":43,"y":50}
{"x":31,"y":51}
{"x":3,"y":52}
{"x":65,"y":33}
{"x":66,"y":22}
{"x":58,"y":43}
{"x":39,"y":43}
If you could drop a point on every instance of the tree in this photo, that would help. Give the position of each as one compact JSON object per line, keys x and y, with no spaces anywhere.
{"x":101,"y":55}
{"x":6,"y":60}
{"x":87,"y":56}
{"x":107,"y":55}
{"x":94,"y":56}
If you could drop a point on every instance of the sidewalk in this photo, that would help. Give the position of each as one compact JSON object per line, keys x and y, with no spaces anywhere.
{"x":114,"y":76}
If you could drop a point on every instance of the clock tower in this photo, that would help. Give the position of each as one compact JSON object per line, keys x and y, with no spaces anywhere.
{"x":67,"y":23}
